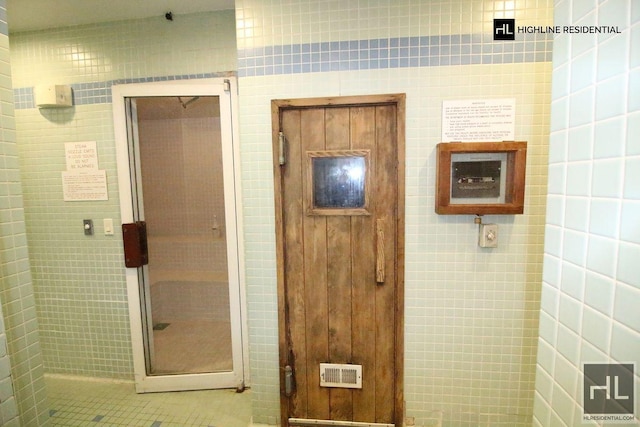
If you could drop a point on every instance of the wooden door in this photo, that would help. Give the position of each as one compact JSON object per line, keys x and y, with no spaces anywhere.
{"x":339,"y":189}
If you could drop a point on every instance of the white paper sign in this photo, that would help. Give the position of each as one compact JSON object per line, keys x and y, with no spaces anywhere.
{"x":83,"y":181}
{"x":81,"y":156}
{"x":485,"y":120}
{"x":83,"y":186}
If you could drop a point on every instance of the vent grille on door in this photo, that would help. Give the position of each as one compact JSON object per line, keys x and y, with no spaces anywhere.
{"x":340,"y":375}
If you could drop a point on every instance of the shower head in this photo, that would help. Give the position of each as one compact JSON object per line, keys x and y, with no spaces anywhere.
{"x":186,"y":104}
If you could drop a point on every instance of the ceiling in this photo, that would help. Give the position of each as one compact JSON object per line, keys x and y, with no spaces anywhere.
{"x":26,"y":15}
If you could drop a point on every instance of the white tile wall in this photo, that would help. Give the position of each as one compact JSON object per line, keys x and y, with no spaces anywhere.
{"x":595,"y":214}
{"x":471,"y":314}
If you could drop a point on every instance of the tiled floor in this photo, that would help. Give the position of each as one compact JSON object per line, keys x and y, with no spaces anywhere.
{"x":77,"y":402}
{"x":193,"y":346}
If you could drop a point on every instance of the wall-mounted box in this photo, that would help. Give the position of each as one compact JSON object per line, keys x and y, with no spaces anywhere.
{"x":480,"y":178}
{"x":53,"y":96}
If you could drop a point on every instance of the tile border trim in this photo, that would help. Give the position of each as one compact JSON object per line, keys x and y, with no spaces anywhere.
{"x":395,"y":52}
{"x":100,"y":92}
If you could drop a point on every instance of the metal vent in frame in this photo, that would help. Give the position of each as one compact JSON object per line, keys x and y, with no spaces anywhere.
{"x":340,"y":375}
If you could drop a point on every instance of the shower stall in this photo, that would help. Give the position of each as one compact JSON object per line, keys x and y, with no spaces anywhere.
{"x":182,"y":183}
{"x":182,"y":187}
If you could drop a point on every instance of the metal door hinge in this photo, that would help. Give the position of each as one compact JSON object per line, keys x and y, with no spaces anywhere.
{"x":227,"y":85}
{"x":288,"y":380}
{"x":282,"y":159}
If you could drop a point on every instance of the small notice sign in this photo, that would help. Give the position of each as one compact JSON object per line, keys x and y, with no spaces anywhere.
{"x":479,"y":120}
{"x":81,"y":155}
{"x":82,"y":186}
{"x":83,"y":181}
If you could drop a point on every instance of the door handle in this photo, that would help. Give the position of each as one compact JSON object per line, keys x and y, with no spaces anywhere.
{"x":380,"y":251}
{"x":134,"y":235}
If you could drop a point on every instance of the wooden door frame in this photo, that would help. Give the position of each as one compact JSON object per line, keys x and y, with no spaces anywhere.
{"x":277,"y":107}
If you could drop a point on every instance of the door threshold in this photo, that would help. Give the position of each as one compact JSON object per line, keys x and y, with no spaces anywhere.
{"x":305,"y":422}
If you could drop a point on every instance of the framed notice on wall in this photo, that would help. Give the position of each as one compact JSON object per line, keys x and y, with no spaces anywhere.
{"x":480,"y":177}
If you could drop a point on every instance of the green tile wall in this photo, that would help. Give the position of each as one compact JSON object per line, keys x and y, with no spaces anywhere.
{"x":8,"y":406}
{"x":22,"y":396}
{"x":79,"y":280}
{"x":80,"y":290}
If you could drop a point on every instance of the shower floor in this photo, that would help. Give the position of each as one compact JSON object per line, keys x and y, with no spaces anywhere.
{"x":192,"y":347}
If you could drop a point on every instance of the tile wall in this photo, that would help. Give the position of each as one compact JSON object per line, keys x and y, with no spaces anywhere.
{"x":182,"y":156}
{"x":79,"y":283}
{"x":471,"y":314}
{"x":171,"y":148}
{"x":22,"y":396}
{"x":591,"y":287}
{"x":8,"y":406}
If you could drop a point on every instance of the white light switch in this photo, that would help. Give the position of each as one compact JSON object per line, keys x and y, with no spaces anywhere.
{"x":108,"y":227}
{"x":488,"y":237}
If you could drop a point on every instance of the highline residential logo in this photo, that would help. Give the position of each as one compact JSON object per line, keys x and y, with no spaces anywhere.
{"x":506,"y":29}
{"x":609,"y":392}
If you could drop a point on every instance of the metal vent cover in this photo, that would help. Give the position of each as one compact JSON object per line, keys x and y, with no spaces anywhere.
{"x":340,"y":375}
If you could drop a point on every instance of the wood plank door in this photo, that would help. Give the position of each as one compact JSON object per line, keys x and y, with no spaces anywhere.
{"x":339,"y":190}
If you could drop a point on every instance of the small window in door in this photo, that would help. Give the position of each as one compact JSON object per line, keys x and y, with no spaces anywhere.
{"x":338,"y":182}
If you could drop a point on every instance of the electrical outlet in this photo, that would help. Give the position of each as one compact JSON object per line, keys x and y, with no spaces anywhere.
{"x":488,"y":237}
{"x":108,"y":226}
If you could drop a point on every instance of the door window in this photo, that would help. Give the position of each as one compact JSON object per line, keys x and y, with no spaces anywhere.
{"x":338,"y":182}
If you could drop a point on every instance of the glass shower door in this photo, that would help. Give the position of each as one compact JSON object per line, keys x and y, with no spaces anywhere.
{"x":183,"y":205}
{"x":185,"y":303}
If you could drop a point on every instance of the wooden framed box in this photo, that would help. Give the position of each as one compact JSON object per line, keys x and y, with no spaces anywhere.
{"x":480,"y":178}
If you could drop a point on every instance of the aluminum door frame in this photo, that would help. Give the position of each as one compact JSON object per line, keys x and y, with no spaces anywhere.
{"x":225,"y":88}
